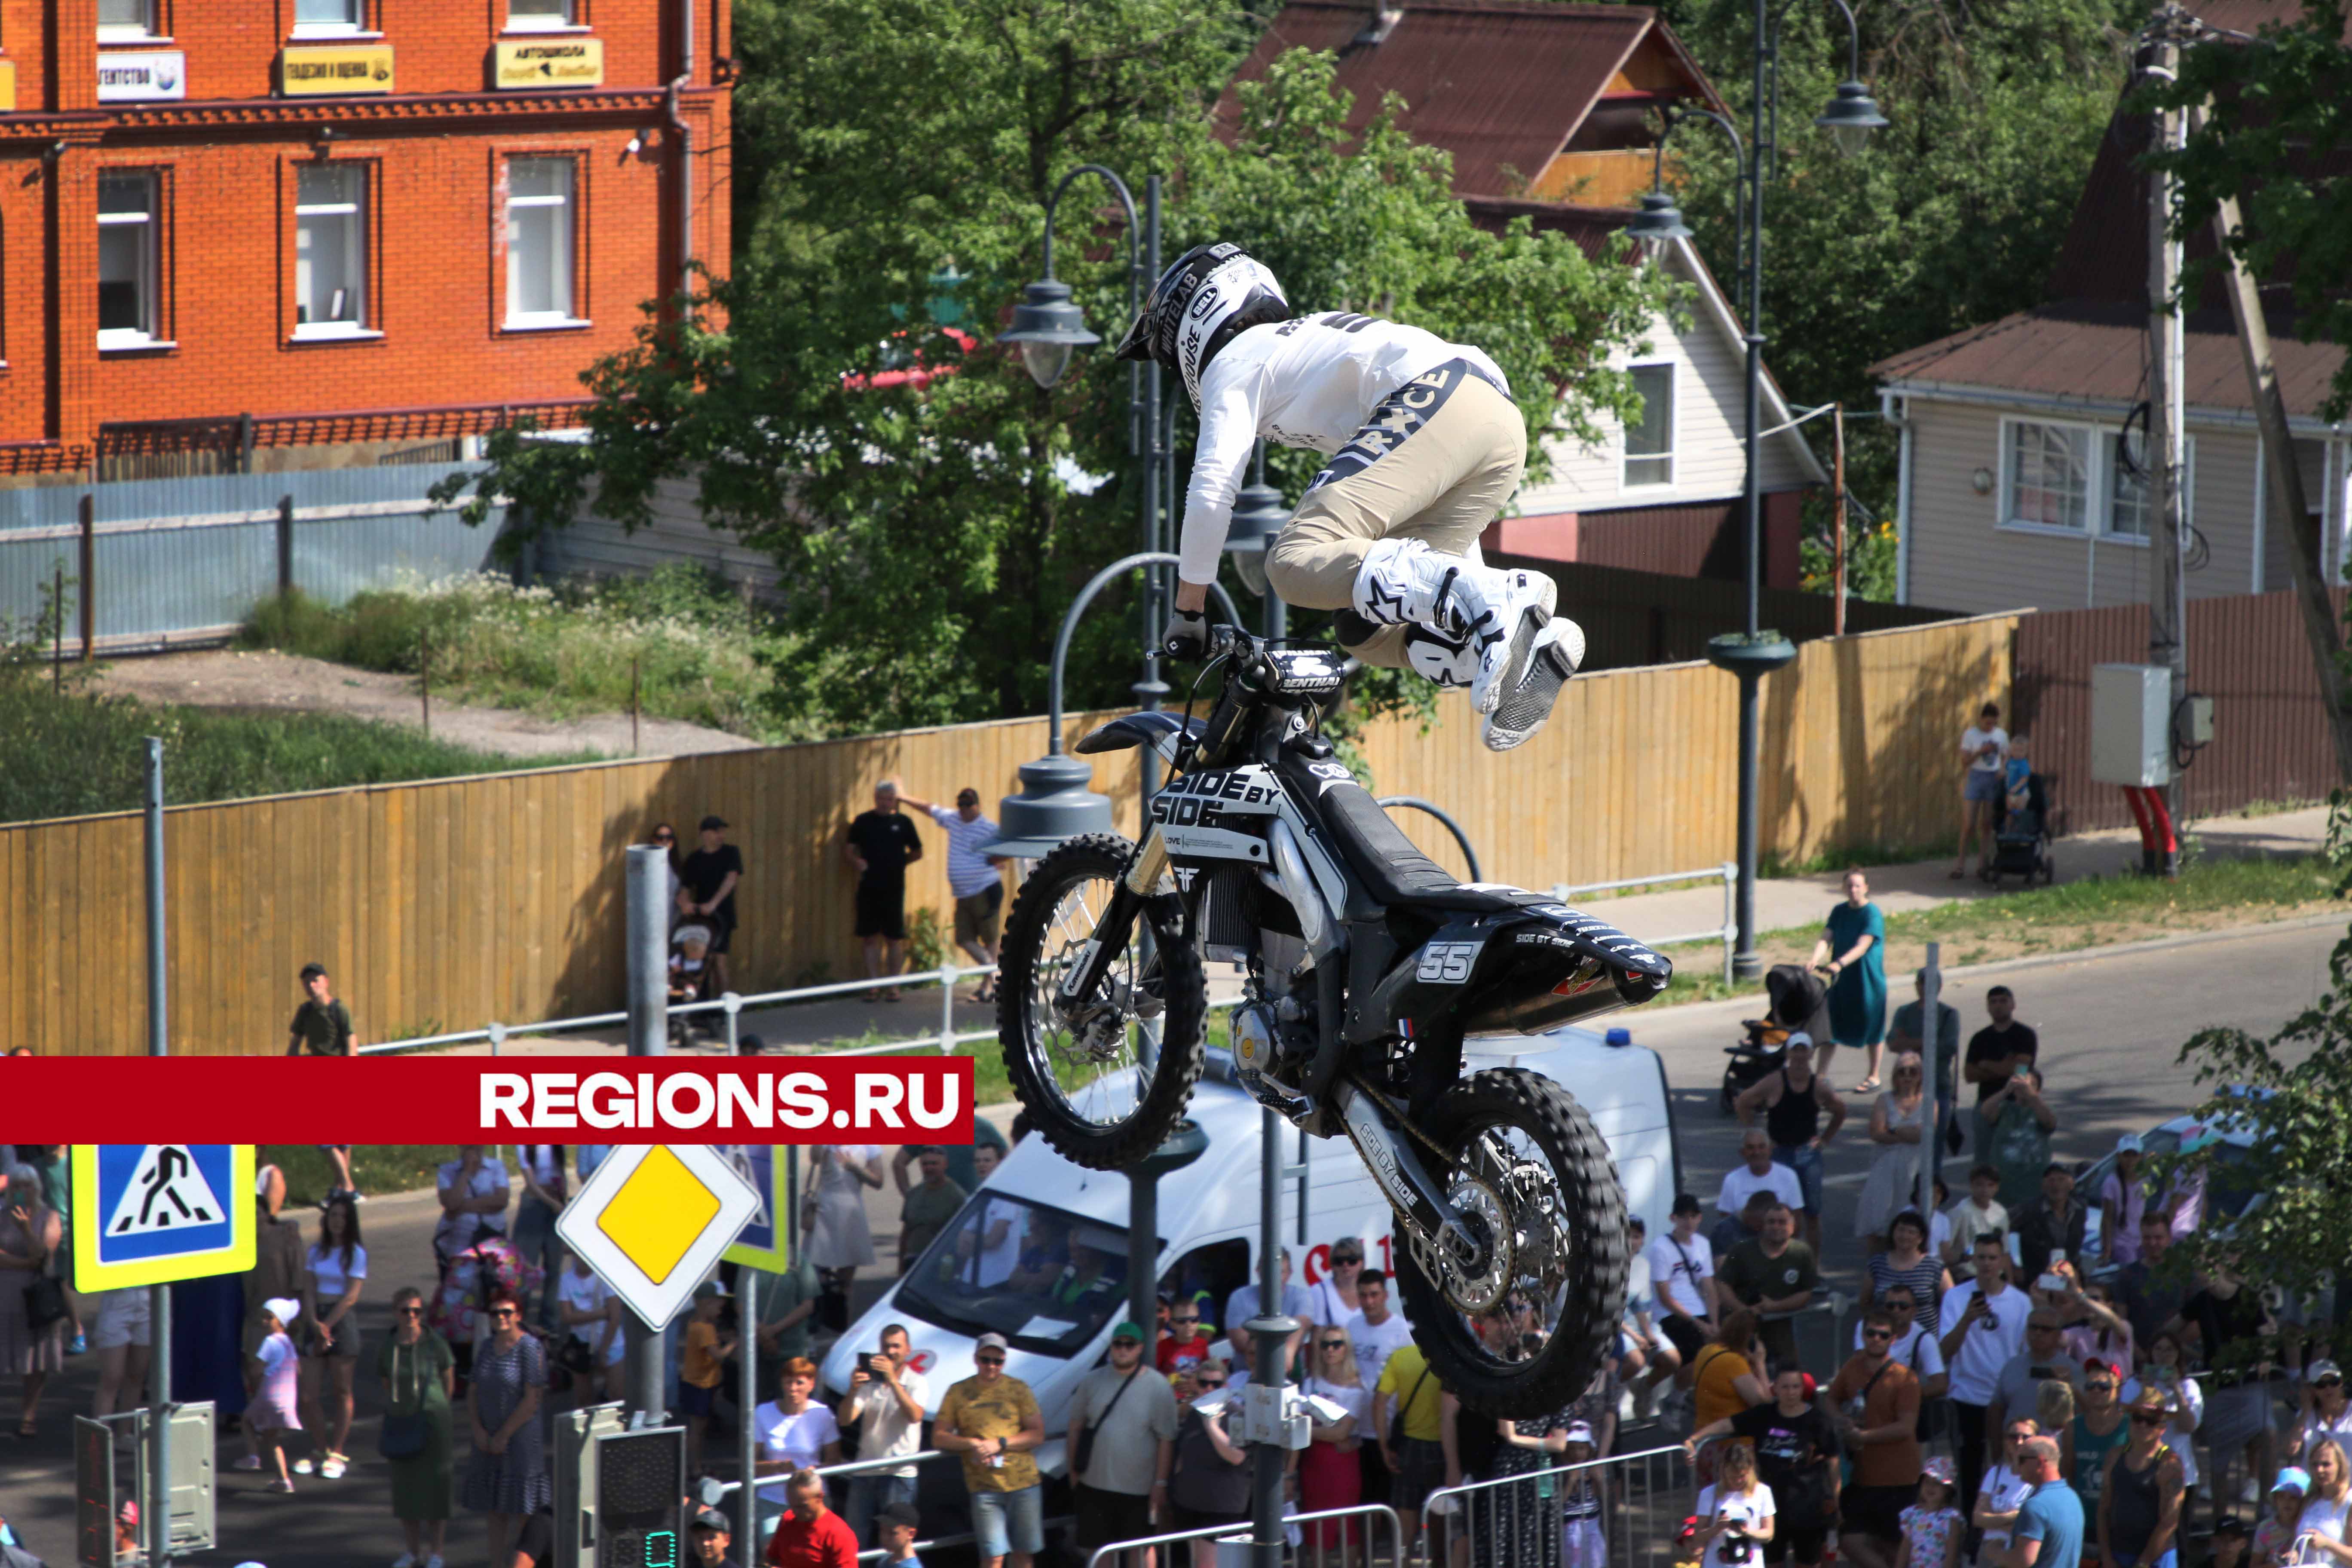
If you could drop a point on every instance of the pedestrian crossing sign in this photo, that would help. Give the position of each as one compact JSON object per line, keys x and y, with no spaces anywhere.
{"x":148,"y":1214}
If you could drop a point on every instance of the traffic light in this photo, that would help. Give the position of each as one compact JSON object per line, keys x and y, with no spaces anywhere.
{"x":641,"y":1499}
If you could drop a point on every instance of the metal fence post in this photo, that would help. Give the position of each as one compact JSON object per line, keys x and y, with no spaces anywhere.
{"x":498,"y":1033}
{"x":947,"y":1008}
{"x":648,"y":977}
{"x":285,"y":544}
{"x":1730,"y":917}
{"x":159,"y":1306}
{"x":89,"y":576}
{"x":746,"y":1338}
{"x":734,"y":1005}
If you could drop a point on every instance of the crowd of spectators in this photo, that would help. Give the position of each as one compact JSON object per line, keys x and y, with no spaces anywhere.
{"x":2030,"y":1385}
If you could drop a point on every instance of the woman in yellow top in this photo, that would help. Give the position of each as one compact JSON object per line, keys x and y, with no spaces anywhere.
{"x":1728,"y":1377}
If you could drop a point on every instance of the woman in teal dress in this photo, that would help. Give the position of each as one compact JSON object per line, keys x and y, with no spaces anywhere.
{"x":1853,"y":953}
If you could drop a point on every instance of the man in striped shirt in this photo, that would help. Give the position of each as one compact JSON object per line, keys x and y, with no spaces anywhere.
{"x":974,"y":878}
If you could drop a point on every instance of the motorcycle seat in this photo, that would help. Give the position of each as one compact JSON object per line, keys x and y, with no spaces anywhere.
{"x":1390,"y":865}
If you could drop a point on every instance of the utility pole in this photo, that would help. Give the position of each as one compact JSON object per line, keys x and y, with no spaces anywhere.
{"x":2305,"y":556}
{"x":2167,"y":631}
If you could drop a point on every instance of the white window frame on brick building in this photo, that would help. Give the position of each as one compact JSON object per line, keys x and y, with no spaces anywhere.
{"x":126,"y":21}
{"x":329,"y":18}
{"x":330,"y":251}
{"x":541,"y":16}
{"x":541,"y":244}
{"x":130,"y":203}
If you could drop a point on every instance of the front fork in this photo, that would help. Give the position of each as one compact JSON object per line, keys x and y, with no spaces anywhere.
{"x":1144,"y":881}
{"x":1417,"y":1198}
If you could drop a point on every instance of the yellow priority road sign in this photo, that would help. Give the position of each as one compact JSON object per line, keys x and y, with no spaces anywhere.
{"x":148,"y":1214}
{"x":653,"y":1220}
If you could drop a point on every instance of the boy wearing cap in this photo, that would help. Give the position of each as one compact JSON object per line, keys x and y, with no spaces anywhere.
{"x":699,"y":1370}
{"x":706,"y":890}
{"x":901,"y":1523}
{"x":1682,"y":1271}
{"x":1122,"y":1443}
{"x":2274,"y":1537}
{"x":993,"y":1422}
{"x":710,"y":1536}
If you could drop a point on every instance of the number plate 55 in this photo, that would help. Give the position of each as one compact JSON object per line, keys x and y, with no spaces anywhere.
{"x":1447,"y":963}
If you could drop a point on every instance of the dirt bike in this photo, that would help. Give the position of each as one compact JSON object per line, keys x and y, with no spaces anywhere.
{"x":1367,"y":967}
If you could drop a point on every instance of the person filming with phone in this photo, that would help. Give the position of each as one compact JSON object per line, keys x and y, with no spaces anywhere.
{"x":1983,"y":1324}
{"x":885,"y":1405}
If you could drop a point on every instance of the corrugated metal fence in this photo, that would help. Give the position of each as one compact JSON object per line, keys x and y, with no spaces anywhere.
{"x":153,"y":562}
{"x":2247,"y":650}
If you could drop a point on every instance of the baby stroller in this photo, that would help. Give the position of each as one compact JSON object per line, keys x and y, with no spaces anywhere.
{"x":1797,"y":1000}
{"x":459,"y":1304}
{"x":2021,"y":834}
{"x":690,"y":979}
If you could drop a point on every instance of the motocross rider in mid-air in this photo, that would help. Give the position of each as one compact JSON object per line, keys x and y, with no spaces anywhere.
{"x":1425,"y":448}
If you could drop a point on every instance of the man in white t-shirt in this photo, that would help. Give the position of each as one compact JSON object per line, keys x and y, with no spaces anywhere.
{"x":1682,"y":1277}
{"x":1983,"y":1325}
{"x":1756,"y":1172}
{"x":1377,"y":1331}
{"x":885,"y":1404}
{"x":1984,"y":747}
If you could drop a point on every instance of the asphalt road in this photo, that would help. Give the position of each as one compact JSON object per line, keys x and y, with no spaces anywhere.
{"x":2111,"y":1026}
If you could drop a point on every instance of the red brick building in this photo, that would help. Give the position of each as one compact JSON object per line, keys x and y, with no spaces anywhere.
{"x":271,"y":223}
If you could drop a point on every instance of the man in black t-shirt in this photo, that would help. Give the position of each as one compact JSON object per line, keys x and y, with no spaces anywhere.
{"x":706,"y":891}
{"x":882,"y":843}
{"x":1995,"y":1052}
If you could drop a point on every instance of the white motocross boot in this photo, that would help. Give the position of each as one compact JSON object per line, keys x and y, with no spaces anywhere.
{"x":1558,"y":650}
{"x":1496,"y":615}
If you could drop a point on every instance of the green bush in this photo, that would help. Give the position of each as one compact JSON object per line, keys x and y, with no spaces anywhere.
{"x":688,"y":642}
{"x":75,"y":754}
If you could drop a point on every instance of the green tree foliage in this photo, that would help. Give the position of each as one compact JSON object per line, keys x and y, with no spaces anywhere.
{"x":2289,"y":1090}
{"x":1953,"y":216}
{"x":2283,"y":103}
{"x":931,"y":536}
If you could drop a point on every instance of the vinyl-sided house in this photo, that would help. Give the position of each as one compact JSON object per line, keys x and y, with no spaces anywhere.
{"x":2020,"y":486}
{"x":1548,"y":110}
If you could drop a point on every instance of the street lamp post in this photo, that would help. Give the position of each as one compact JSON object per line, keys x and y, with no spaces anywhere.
{"x":1753,"y":653}
{"x":1049,"y":327}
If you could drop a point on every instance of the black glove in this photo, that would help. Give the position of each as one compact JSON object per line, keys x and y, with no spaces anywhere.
{"x":1187,"y":635}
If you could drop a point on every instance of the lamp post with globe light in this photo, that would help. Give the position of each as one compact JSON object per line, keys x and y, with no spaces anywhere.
{"x":1753,"y":653}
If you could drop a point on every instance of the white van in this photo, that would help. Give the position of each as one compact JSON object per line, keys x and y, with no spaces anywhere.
{"x":1209,"y":1221}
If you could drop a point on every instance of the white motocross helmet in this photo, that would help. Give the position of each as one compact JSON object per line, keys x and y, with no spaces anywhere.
{"x":1211,"y":294}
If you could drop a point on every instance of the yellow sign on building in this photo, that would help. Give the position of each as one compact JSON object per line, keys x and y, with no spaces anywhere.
{"x":309,"y":70}
{"x":7,"y":86}
{"x":549,"y":62}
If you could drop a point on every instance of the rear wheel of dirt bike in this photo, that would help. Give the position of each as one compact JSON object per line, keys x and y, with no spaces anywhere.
{"x":1533,"y":1177}
{"x":1105,"y":1077}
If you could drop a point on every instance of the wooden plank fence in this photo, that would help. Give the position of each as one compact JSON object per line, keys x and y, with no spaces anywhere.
{"x":448,"y":905}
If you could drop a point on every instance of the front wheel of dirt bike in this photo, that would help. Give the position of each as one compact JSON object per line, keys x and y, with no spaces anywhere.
{"x":1533,"y":1179}
{"x":1105,"y":1077}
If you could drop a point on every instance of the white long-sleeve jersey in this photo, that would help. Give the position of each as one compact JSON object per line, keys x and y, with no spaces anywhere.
{"x":1311,"y":382}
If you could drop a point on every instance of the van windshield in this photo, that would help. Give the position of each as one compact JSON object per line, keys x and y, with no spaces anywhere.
{"x":1045,"y":1280}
